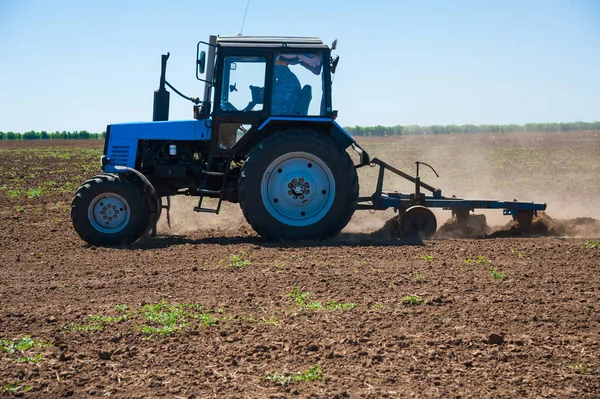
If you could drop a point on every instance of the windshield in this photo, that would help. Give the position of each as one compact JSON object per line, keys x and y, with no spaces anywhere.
{"x":243,"y":80}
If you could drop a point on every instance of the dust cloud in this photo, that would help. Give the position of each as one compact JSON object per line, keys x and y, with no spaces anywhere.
{"x":557,"y":169}
{"x":185,"y":220}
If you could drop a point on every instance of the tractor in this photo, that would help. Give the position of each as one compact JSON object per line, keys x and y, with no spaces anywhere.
{"x":263,"y":135}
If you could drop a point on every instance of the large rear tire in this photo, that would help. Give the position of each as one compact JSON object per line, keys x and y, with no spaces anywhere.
{"x":296,"y":185}
{"x":109,"y":210}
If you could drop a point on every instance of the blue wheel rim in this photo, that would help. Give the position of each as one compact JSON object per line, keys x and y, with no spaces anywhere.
{"x":298,"y":189}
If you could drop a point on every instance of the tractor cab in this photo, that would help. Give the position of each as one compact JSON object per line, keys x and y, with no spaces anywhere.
{"x":259,"y":80}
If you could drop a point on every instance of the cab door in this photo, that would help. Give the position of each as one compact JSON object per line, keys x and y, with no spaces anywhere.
{"x":242,"y":99}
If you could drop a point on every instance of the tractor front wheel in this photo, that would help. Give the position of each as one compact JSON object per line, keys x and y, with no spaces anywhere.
{"x":298,"y":184}
{"x":109,"y":210}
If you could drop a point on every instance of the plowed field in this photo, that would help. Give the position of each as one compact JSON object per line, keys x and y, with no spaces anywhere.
{"x":208,"y":309}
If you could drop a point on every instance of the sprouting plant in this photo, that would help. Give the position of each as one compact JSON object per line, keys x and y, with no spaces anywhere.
{"x":16,"y":193}
{"x":205,"y":320}
{"x":579,"y":368}
{"x":16,"y":387}
{"x":591,"y":244}
{"x":426,"y":257}
{"x":83,"y":327}
{"x":417,"y":276}
{"x":379,"y":306}
{"x":251,"y":319}
{"x":165,"y":319}
{"x":301,"y":300}
{"x":497,"y":274}
{"x":271,"y":320}
{"x":312,"y":374}
{"x":412,"y":300}
{"x":238,"y":261}
{"x":30,"y":359}
{"x":121,"y":308}
{"x":298,"y":296}
{"x":21,"y":344}
{"x":519,"y":255}
{"x":108,"y":319}
{"x":35,"y":192}
{"x":479,"y":260}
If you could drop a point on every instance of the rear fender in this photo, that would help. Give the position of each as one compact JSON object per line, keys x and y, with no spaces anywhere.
{"x":319,"y":124}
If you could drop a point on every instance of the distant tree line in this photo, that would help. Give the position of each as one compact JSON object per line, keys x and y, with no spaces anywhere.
{"x":43,"y":135}
{"x":455,"y":129}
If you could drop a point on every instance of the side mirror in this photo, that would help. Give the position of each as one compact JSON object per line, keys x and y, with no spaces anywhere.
{"x":334,"y":61}
{"x":201,"y":62}
{"x":334,"y":44}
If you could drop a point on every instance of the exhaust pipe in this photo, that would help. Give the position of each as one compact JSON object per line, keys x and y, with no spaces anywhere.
{"x":161,"y":96}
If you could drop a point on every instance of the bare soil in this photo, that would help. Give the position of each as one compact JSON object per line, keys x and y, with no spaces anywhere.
{"x":500,"y":317}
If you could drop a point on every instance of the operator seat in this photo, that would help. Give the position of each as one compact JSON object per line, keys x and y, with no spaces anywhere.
{"x":303,"y":101}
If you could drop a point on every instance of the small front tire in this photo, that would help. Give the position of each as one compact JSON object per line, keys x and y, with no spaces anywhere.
{"x":109,"y":210}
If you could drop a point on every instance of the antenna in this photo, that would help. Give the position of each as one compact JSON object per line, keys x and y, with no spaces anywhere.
{"x":244,"y":20}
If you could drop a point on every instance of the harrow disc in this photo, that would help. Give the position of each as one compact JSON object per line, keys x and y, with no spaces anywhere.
{"x":418,"y":222}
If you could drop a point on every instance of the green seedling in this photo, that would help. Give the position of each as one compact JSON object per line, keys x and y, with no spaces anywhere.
{"x":16,"y":387}
{"x":312,"y":374}
{"x":166,"y":319}
{"x":591,"y":244}
{"x":298,"y":296}
{"x":83,"y":327}
{"x":497,"y":274}
{"x":21,"y":344}
{"x":251,"y":319}
{"x":412,"y":300}
{"x":15,"y":193}
{"x":480,"y":260}
{"x":579,"y":368}
{"x":108,"y":319}
{"x":519,"y":255}
{"x":121,"y":308}
{"x":35,"y":192}
{"x":238,"y":261}
{"x":426,"y":257}
{"x":37,"y":358}
{"x":301,"y":300}
{"x":418,"y":277}
{"x":271,"y":321}
{"x":379,"y":306}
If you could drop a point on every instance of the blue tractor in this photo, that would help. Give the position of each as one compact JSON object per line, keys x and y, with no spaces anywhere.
{"x":265,"y":136}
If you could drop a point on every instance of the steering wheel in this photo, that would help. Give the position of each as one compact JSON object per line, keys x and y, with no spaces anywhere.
{"x":257,"y":97}
{"x":227,"y":106}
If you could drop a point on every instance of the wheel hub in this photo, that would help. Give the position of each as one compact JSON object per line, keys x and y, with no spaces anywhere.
{"x":109,"y":213}
{"x":298,"y":188}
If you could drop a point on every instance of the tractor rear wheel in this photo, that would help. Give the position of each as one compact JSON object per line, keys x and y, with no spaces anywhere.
{"x":109,"y":210}
{"x":298,"y":184}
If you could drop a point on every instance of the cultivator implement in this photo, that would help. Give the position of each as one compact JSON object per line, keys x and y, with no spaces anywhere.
{"x":416,"y":218}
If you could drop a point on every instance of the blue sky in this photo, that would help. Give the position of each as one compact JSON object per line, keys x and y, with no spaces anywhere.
{"x":80,"y":65}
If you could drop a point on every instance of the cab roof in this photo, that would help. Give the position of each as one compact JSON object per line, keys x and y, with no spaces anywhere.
{"x":270,"y":41}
